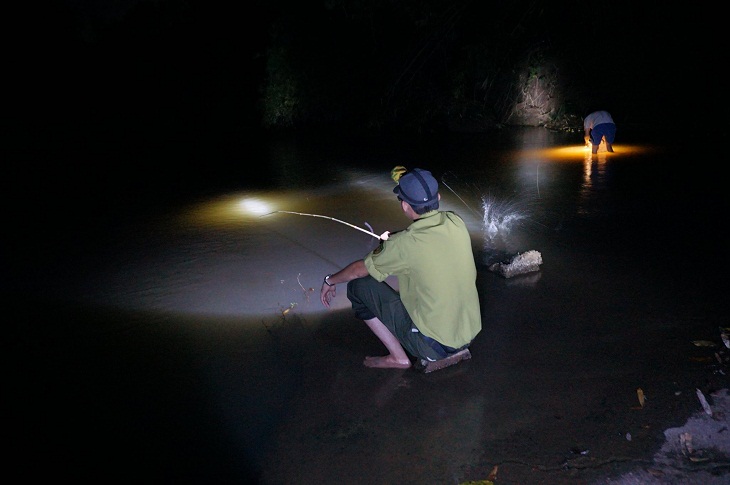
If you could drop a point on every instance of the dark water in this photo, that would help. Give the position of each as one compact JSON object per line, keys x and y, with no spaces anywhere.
{"x":125,"y":367}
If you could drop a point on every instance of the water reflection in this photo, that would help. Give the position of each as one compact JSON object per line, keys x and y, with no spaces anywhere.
{"x":232,"y":320}
{"x":249,"y":253}
{"x":594,"y":174}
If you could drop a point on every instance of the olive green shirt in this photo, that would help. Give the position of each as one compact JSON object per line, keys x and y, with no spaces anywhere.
{"x":434,"y":263}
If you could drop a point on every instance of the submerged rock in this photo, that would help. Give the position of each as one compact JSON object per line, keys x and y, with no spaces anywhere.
{"x":520,"y":263}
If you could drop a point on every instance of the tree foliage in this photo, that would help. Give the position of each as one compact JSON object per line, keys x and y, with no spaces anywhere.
{"x":412,"y":64}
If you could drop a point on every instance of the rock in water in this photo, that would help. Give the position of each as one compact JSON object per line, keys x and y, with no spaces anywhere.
{"x":520,"y":263}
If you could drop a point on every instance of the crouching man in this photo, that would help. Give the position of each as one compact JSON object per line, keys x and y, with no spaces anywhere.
{"x":435,"y":315}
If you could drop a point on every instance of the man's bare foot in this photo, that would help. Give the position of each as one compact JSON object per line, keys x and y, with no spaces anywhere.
{"x":386,"y":362}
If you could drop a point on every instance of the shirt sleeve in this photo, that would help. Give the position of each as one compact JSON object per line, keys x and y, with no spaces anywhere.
{"x":387,"y":258}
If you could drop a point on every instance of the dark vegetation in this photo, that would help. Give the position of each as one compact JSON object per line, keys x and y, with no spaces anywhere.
{"x":141,"y":70}
{"x":129,"y":97}
{"x":418,"y":66}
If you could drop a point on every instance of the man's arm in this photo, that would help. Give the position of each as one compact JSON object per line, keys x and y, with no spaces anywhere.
{"x":354,"y":270}
{"x":587,"y":126}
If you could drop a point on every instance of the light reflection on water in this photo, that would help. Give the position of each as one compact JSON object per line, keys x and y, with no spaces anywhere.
{"x":246,"y":253}
{"x":245,"y":285}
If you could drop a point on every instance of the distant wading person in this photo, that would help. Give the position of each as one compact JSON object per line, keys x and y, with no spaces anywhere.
{"x":599,"y":125}
{"x":436,"y":314}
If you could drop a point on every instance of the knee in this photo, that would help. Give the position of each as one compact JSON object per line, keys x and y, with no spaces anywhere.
{"x":353,"y":286}
{"x":356,"y":287}
{"x":361,"y":298}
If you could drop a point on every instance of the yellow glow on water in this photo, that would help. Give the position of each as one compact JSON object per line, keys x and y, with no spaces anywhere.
{"x":579,"y":153}
{"x":232,"y":210}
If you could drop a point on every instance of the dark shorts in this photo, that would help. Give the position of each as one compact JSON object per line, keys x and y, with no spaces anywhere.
{"x":604,"y":129}
{"x":371,"y":298}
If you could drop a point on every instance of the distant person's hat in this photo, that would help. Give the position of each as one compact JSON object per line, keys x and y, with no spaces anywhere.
{"x":417,"y":187}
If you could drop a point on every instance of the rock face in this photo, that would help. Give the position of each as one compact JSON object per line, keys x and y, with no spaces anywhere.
{"x":537,"y":92}
{"x":520,"y":263}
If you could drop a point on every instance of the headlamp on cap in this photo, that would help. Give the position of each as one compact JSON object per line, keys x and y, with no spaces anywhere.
{"x":417,"y":187}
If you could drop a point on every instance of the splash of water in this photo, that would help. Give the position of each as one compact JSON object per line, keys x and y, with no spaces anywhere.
{"x":499,"y":218}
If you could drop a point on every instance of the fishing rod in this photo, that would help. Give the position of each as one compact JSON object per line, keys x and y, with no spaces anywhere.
{"x":383,"y":236}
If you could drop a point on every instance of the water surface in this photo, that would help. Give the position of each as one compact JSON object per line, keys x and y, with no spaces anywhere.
{"x":185,"y":340}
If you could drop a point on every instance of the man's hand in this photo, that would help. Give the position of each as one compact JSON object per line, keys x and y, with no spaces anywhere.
{"x":356,"y":269}
{"x":327,"y":293}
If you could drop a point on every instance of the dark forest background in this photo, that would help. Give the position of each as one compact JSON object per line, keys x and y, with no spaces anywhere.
{"x":176,"y":66}
{"x":133,"y":87}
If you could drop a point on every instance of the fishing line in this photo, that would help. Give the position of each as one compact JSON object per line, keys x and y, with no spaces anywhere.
{"x":462,"y":200}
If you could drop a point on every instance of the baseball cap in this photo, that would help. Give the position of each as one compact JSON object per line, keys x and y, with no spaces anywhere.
{"x":417,"y":187}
